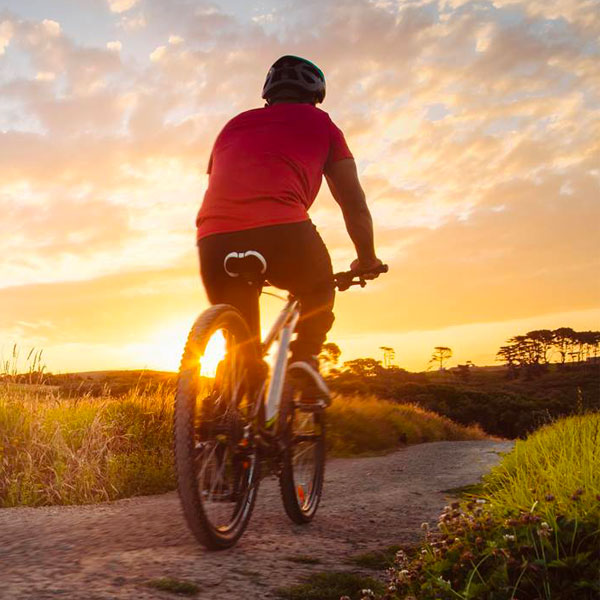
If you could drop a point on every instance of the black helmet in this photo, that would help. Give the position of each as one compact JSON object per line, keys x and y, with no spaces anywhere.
{"x":297,"y":73}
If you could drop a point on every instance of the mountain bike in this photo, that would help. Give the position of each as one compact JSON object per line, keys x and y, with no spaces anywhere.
{"x":245,"y":416}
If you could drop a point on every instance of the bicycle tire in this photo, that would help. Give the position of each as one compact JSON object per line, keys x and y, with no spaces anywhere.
{"x":216,"y":461}
{"x":302,"y":433}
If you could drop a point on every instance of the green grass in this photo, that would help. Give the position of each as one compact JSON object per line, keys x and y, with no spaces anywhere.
{"x":175,"y":586}
{"x":330,"y":586}
{"x":532,"y":532}
{"x":78,"y":450}
{"x":556,"y":471}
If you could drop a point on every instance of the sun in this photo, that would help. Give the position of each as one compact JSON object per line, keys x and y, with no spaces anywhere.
{"x":213,"y":353}
{"x":163,"y":349}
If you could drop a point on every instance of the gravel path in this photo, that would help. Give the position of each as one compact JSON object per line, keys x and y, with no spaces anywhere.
{"x":111,"y":550}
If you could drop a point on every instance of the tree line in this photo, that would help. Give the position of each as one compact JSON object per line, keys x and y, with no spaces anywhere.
{"x":535,"y":350}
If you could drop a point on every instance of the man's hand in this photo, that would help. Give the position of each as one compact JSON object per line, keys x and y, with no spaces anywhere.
{"x":366,"y":268}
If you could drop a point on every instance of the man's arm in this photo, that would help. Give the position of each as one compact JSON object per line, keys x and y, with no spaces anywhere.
{"x":342,"y":178}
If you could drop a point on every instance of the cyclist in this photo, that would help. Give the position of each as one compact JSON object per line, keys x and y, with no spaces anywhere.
{"x":265,"y":171}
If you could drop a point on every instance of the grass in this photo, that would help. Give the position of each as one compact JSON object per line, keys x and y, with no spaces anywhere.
{"x":331,"y":586}
{"x":531,"y":533}
{"x":556,"y":471}
{"x":175,"y":586}
{"x":81,"y":450}
{"x":84,"y":449}
{"x":353,"y":419}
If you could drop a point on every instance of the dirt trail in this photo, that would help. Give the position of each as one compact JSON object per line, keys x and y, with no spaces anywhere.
{"x":111,"y":550}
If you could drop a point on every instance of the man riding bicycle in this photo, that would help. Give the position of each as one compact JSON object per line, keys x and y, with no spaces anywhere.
{"x":265,"y":170}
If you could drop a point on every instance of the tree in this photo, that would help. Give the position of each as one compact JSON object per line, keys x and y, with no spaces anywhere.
{"x":440,"y":355}
{"x":563,"y":338}
{"x":510,"y":356}
{"x":363,"y":367}
{"x":542,"y":340}
{"x":330,"y":355}
{"x":389,"y":354}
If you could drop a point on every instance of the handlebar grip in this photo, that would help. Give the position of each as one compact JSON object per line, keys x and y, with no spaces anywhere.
{"x":346,"y":279}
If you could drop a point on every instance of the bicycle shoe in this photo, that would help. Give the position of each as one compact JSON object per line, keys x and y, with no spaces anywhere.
{"x":305,"y":375}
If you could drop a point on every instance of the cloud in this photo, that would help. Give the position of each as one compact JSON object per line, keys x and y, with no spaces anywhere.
{"x":115,"y":46}
{"x":467,"y":119}
{"x":6,"y":33}
{"x":158,"y":53}
{"x":121,"y":6}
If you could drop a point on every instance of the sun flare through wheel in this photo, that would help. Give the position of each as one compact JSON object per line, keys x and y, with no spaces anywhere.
{"x":216,"y":459}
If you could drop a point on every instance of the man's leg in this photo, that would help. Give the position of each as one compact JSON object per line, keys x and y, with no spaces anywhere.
{"x":302,"y":266}
{"x":223,"y":289}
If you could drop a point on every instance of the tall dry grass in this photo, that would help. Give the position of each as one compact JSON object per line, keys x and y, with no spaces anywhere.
{"x":56,"y":450}
{"x":359,"y":425}
{"x":81,"y":450}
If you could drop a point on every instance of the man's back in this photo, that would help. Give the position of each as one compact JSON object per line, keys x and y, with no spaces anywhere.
{"x":266,"y":167}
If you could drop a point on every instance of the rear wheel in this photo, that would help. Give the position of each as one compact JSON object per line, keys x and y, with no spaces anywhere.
{"x":216,"y":458}
{"x":302,"y":432}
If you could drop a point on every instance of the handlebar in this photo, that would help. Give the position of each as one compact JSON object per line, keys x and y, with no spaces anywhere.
{"x":346,"y":279}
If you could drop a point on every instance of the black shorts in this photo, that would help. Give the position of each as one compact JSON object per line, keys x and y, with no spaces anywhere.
{"x":297,"y":261}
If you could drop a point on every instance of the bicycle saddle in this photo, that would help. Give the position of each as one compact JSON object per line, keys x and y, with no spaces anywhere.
{"x":250,"y":266}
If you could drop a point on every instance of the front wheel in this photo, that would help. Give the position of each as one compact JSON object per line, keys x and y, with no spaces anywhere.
{"x":302,"y":432}
{"x":216,"y":458}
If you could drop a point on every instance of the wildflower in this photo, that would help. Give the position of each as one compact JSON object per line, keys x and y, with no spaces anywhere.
{"x":509,"y":538}
{"x":480,"y":501}
{"x":401,"y":558}
{"x":367,"y":593}
{"x":544,"y":530}
{"x":549,"y":497}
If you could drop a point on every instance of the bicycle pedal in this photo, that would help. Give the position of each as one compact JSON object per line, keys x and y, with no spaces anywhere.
{"x":317,"y":406}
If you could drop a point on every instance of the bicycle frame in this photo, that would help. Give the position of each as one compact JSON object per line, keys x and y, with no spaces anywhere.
{"x":282,"y":329}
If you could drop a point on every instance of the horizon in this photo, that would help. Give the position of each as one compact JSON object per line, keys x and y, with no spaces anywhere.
{"x":475,"y":127}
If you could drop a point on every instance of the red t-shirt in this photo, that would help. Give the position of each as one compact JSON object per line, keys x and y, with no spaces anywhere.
{"x":266,"y":167}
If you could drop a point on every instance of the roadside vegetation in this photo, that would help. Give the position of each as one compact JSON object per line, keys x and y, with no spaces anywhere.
{"x":83,"y":449}
{"x":533,"y":532}
{"x":492,"y":397}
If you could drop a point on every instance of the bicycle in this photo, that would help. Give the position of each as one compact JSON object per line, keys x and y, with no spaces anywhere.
{"x":227,"y":426}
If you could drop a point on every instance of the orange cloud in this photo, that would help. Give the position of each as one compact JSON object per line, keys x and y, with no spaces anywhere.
{"x":476,"y":128}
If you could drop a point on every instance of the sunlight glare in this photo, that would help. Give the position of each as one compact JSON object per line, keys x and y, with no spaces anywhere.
{"x":213,"y":354}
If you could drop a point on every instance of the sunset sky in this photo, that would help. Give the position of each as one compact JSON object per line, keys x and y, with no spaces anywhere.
{"x":475,"y":126}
